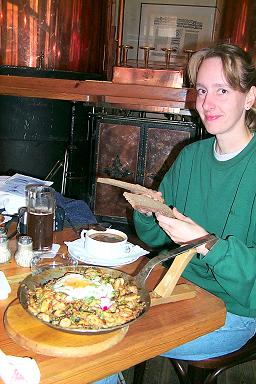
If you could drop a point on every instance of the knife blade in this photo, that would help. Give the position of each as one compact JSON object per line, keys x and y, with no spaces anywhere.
{"x":196,"y":243}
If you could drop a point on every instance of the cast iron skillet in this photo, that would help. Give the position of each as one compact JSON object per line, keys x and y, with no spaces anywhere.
{"x":49,"y":273}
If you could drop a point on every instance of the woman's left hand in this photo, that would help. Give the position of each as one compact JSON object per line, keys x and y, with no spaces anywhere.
{"x":181,"y":229}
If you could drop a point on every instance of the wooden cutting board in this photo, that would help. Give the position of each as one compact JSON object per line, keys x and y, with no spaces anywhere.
{"x":31,"y":334}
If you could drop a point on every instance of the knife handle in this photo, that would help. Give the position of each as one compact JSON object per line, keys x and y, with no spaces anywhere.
{"x":209,"y":245}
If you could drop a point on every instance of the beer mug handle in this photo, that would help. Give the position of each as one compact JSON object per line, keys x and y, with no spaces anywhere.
{"x":83,"y":234}
{"x":22,"y":221}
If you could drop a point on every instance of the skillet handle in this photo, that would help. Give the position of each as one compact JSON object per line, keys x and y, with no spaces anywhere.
{"x":146,"y":270}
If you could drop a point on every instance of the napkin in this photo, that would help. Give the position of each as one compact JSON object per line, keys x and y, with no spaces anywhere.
{"x":5,"y":288}
{"x":18,"y":370}
{"x":11,"y":203}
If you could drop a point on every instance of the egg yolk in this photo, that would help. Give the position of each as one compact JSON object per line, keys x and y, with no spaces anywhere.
{"x":77,"y":283}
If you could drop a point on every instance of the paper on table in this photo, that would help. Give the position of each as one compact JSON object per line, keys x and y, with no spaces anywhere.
{"x":12,"y":191}
{"x":14,"y":369}
{"x":3,"y":180}
{"x":17,"y":183}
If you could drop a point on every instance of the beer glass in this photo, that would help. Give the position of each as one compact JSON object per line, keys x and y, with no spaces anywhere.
{"x":40,"y":200}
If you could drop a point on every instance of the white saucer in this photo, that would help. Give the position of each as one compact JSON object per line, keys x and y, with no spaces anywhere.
{"x":88,"y":259}
{"x":77,"y":250}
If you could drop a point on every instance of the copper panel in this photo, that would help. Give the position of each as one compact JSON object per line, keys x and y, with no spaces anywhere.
{"x":73,"y":35}
{"x":146,"y":76}
{"x":238,"y":24}
{"x":118,"y":151}
{"x":163,"y":146}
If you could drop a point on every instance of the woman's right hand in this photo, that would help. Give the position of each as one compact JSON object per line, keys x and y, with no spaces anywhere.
{"x":181,"y":229}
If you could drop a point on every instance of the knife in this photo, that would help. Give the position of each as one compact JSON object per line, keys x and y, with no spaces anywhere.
{"x":189,"y":245}
{"x":145,"y":271}
{"x":209,"y":238}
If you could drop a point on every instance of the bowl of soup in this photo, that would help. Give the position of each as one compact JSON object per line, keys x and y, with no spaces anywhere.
{"x":110,"y":243}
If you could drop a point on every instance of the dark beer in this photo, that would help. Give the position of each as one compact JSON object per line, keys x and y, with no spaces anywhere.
{"x":40,"y":228}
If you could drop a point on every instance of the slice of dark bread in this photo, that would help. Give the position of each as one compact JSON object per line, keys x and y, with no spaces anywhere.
{"x":135,"y":188}
{"x":142,"y":201}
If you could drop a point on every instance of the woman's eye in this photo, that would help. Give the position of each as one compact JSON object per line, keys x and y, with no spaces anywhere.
{"x":222,"y":91}
{"x":201,"y":91}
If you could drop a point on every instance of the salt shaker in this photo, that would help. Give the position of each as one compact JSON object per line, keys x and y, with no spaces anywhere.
{"x":24,"y":253}
{"x":5,"y":253}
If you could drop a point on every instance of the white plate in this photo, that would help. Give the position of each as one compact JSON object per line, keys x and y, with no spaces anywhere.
{"x":77,"y":249}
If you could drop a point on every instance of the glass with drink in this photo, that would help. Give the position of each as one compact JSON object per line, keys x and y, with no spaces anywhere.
{"x":40,"y":215}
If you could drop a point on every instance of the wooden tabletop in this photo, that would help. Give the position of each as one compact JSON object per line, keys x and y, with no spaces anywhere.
{"x":162,"y":328}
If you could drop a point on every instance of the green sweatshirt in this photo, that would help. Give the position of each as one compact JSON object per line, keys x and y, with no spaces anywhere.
{"x":221,"y":197}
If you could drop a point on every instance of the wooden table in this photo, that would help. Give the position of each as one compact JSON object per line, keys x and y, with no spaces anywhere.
{"x":162,"y":328}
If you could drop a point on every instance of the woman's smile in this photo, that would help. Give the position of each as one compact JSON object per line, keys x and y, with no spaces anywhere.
{"x":212,"y":117}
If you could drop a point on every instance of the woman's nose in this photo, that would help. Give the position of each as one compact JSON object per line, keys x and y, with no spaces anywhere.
{"x":208,"y":102}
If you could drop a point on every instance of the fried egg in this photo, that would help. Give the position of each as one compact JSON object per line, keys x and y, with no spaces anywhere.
{"x":77,"y":286}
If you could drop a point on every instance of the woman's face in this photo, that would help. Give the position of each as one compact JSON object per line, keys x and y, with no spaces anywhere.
{"x":221,"y":108}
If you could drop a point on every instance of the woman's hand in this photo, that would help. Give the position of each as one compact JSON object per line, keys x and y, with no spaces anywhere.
{"x":182,"y":229}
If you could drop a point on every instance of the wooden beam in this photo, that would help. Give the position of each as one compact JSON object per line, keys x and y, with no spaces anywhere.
{"x":97,"y":92}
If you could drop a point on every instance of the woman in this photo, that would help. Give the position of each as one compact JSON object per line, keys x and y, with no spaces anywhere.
{"x":212,"y":187}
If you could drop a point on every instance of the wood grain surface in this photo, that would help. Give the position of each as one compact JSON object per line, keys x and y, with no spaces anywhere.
{"x":163,"y":327}
{"x":98,"y":92}
{"x":32,"y":334}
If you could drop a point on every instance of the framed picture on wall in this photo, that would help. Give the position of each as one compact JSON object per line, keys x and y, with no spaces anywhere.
{"x":174,"y":26}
